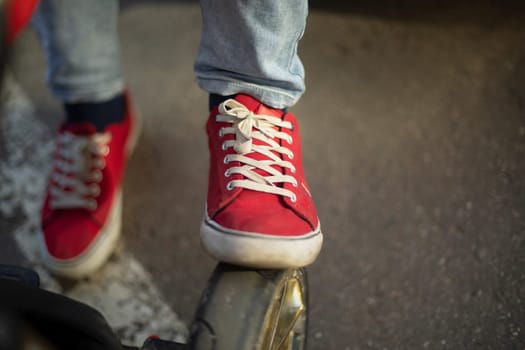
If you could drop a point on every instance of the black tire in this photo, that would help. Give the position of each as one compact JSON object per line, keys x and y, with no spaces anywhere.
{"x":246,"y":309}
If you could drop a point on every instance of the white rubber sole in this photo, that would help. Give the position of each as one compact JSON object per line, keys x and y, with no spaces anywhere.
{"x":101,"y":249}
{"x":95,"y":255}
{"x":259,"y":250}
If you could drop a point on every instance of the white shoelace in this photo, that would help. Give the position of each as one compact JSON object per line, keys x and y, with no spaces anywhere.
{"x":78,"y":165}
{"x":248,"y":126}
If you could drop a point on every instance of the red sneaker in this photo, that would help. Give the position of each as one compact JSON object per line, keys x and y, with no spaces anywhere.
{"x":81,"y":217}
{"x":259,"y":211}
{"x":17,"y":15}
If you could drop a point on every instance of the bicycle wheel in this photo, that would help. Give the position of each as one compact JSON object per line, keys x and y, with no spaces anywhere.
{"x":252,"y":309}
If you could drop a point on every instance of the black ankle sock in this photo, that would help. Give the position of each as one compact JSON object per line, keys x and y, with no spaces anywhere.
{"x":215,"y":100}
{"x":100,"y":114}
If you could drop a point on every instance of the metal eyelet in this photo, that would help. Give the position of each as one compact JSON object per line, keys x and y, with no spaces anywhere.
{"x":227,"y":173}
{"x":290,"y":140}
{"x":221,"y":132}
{"x":224,"y":147}
{"x":229,"y":186}
{"x":95,"y":190}
{"x":92,"y":204}
{"x":226,"y":160}
{"x":293,"y":198}
{"x":97,"y":176}
{"x":291,"y":155}
{"x":295,"y":184}
{"x":293,"y":170}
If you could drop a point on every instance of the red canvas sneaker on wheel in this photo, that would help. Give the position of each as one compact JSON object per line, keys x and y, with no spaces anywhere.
{"x":81,"y":217}
{"x":259,"y":211}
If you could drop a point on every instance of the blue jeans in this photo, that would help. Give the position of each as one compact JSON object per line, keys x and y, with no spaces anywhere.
{"x":247,"y":47}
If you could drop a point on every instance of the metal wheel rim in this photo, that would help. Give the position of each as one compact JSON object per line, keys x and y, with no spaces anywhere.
{"x":285,"y":323}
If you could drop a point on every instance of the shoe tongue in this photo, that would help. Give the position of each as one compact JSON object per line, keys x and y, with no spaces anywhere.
{"x":83,"y":128}
{"x":257,"y":107}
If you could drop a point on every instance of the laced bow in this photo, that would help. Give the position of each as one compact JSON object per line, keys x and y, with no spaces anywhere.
{"x":78,"y":166}
{"x":248,"y":126}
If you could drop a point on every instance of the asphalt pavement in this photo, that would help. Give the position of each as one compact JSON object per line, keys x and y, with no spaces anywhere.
{"x":413,"y":131}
